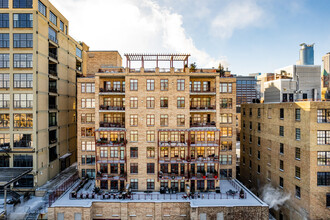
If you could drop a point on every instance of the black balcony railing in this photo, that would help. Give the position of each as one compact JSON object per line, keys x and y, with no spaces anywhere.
{"x":201,"y":90}
{"x":106,"y":107}
{"x":52,"y":72}
{"x":120,"y":142}
{"x":52,"y":89}
{"x":52,"y":55}
{"x":114,"y":90}
{"x":111,"y":124}
{"x":53,"y":38}
{"x":52,"y":106}
{"x":203,"y":107}
{"x":52,"y":140}
{"x":203,"y":124}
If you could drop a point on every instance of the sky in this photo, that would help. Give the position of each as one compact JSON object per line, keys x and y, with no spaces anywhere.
{"x":247,"y":36}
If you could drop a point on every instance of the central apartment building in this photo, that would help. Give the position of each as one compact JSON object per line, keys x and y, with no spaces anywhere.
{"x":155,"y":128}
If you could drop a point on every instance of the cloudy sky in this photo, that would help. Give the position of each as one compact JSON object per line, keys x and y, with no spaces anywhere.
{"x":248,"y":36}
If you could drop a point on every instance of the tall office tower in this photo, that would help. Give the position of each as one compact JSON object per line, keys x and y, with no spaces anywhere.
{"x":39,"y":63}
{"x":286,"y":146}
{"x":157,"y":127}
{"x":326,"y":77}
{"x":306,"y":54}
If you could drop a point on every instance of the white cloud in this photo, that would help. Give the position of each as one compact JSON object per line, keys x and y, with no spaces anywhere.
{"x":131,"y":26}
{"x":238,"y":14}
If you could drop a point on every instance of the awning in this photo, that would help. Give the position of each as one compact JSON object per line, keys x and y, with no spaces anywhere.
{"x":65,"y":156}
{"x":9,"y":175}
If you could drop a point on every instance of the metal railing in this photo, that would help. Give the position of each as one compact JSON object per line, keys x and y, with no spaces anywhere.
{"x":113,"y":90}
{"x":114,"y":108}
{"x":210,"y":90}
{"x":52,"y":55}
{"x":203,"y":107}
{"x":105,"y":124}
{"x":200,"y":124}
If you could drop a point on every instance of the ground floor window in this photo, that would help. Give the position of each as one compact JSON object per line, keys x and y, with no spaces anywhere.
{"x":200,"y":184}
{"x":25,"y":181}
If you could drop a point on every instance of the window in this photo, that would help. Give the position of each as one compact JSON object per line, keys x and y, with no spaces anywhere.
{"x":250,"y":112}
{"x":297,"y":114}
{"x":52,"y":118}
{"x":23,"y":100}
{"x":323,"y":115}
{"x":226,"y":146}
{"x":328,"y":200}
{"x":4,"y":121}
{"x":225,"y":87}
{"x":134,"y":152}
{"x":88,"y":146}
{"x":78,"y":51}
{"x":150,"y":102}
{"x":281,"y":148}
{"x":4,"y":40}
{"x":25,"y":181}
{"x":226,"y":132}
{"x":23,"y":81}
{"x":23,"y":120}
{"x":4,"y":80}
{"x":259,"y":112}
{"x":150,"y":152}
{"x":150,"y":184}
{"x":163,"y":120}
{"x":23,"y":20}
{"x":281,"y":131}
{"x":133,"y":120}
{"x":323,"y":178}
{"x":226,"y":103}
{"x":164,"y":102}
{"x":23,"y":161}
{"x":134,"y":168}
{"x":4,"y":100}
{"x":180,"y":121}
{"x":150,"y":168}
{"x":259,"y":126}
{"x":181,"y":102}
{"x":4,"y":161}
{"x":180,"y":84}
{"x":297,"y":172}
{"x":134,"y":84}
{"x":150,"y":120}
{"x":4,"y":20}
{"x":23,"y":60}
{"x":297,"y":153}
{"x":258,"y":154}
{"x":226,"y":118}
{"x":62,"y":29}
{"x":298,"y":192}
{"x":4,"y":60}
{"x":52,"y":17}
{"x":133,"y":102}
{"x":323,"y":137}
{"x":22,"y":3}
{"x":323,"y":158}
{"x":87,"y":87}
{"x":164,"y":84}
{"x":52,"y":154}
{"x":281,"y":165}
{"x":269,"y":175}
{"x":298,"y":134}
{"x":281,"y":182}
{"x":150,"y":136}
{"x":258,"y":169}
{"x":42,"y":8}
{"x":134,"y":136}
{"x":150,"y":85}
{"x":87,"y":132}
{"x":4,"y":4}
{"x":4,"y":141}
{"x":87,"y":103}
{"x":88,"y":118}
{"x":282,"y":113}
{"x":134,"y":184}
{"x":52,"y":35}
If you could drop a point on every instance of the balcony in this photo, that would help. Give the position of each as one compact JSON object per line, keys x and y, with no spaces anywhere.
{"x":208,"y":91}
{"x":52,"y":89}
{"x":173,"y":143}
{"x":106,"y":108}
{"x":172,"y":176}
{"x":106,"y":142}
{"x":210,"y":143}
{"x":52,"y":140}
{"x":111,"y":91}
{"x":105,"y":124}
{"x":52,"y":106}
{"x":109,"y":160}
{"x":202,"y":108}
{"x":52,"y":55}
{"x":204,"y":158}
{"x":110,"y":176}
{"x":203,"y":176}
{"x":203,"y":124}
{"x":172,"y":159}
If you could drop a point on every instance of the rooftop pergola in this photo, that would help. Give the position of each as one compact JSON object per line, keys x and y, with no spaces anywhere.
{"x":156,"y":58}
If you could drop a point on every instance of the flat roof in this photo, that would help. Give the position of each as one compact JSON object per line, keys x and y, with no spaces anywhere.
{"x":156,"y":57}
{"x":9,"y":175}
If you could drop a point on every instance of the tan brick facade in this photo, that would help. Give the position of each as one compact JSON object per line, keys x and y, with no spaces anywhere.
{"x":292,"y":155}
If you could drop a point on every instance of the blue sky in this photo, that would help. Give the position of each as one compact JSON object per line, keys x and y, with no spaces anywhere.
{"x":248,"y":36}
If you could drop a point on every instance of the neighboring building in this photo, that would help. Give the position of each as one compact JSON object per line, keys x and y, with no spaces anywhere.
{"x":306,"y":55}
{"x":154,"y":128}
{"x":287,"y":145}
{"x":246,"y":90}
{"x":326,"y":77}
{"x":39,"y":63}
